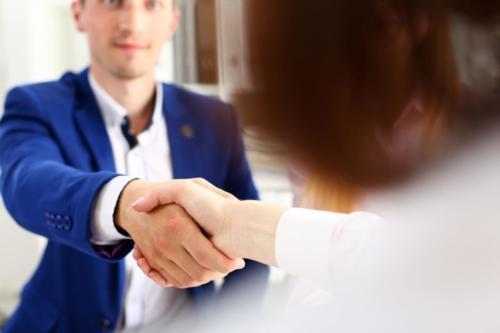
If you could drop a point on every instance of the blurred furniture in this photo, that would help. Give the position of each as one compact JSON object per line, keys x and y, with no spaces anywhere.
{"x":195,"y":43}
{"x":3,"y":318}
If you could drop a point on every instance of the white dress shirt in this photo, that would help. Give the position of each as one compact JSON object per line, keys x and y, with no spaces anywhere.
{"x":146,"y":305}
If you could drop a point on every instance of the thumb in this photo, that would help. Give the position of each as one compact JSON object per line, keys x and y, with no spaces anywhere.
{"x":146,"y":203}
{"x":165,"y":194}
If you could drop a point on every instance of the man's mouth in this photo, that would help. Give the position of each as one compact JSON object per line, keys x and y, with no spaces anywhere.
{"x":131,"y":46}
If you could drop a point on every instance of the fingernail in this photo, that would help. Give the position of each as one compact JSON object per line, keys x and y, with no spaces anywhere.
{"x":242,"y":264}
{"x":138,"y":202}
{"x":154,"y":278}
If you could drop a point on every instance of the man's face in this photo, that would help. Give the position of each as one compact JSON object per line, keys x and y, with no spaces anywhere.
{"x":126,"y":36}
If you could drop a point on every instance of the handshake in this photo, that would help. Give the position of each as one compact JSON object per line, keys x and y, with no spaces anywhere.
{"x":181,"y":231}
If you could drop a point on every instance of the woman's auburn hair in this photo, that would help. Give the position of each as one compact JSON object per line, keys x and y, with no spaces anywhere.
{"x":314,"y":83}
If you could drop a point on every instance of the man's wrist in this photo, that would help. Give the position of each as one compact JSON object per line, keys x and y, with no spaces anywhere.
{"x":118,"y":228}
{"x":124,"y":213}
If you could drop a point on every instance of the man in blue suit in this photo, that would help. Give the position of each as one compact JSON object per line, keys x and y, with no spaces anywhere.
{"x":76,"y":153}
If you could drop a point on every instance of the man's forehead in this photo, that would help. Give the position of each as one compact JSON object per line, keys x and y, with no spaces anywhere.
{"x":164,"y":1}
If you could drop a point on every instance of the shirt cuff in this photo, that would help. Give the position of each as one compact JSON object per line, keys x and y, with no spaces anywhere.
{"x":103,"y":228}
{"x":321,"y":246}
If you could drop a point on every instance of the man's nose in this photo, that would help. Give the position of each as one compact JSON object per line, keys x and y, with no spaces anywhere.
{"x":132,"y":16}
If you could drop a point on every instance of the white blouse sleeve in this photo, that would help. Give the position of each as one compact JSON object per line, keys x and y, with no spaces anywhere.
{"x":321,"y":246}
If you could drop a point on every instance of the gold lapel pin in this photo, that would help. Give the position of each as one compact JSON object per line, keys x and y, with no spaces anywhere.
{"x":187,"y":132}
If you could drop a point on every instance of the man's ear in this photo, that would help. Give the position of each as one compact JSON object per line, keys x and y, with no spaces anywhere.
{"x":76,"y":10}
{"x":174,"y":23}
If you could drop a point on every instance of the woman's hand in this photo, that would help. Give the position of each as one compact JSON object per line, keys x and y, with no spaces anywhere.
{"x":205,"y":203}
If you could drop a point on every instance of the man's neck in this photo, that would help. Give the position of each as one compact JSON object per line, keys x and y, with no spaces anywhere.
{"x":136,"y":96}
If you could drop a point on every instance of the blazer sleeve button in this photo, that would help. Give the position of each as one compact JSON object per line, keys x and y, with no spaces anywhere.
{"x":68,"y":223}
{"x":105,"y":324}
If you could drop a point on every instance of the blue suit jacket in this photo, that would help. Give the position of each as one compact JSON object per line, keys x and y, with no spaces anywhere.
{"x":55,"y":157}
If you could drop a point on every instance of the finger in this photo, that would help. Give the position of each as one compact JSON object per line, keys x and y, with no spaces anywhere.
{"x":164,"y":194}
{"x":149,"y":267}
{"x":171,"y":281}
{"x":159,"y":279}
{"x":176,"y":191}
{"x":144,"y":265}
{"x":152,"y":274}
{"x":209,"y":186}
{"x":197,"y":272}
{"x":179,"y":278}
{"x":137,"y":254}
{"x":205,"y":253}
{"x":147,"y":203}
{"x":183,"y":193}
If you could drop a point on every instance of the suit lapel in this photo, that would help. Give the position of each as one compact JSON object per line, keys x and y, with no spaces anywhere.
{"x":182,"y":135}
{"x":91,"y":125}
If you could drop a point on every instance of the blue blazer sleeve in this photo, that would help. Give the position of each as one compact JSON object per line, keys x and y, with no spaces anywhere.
{"x":41,"y":192}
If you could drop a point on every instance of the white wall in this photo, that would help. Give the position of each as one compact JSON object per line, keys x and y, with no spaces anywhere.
{"x":19,"y":255}
{"x":38,"y":42}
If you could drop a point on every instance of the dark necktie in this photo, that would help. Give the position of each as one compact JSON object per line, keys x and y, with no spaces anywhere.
{"x":127,"y":133}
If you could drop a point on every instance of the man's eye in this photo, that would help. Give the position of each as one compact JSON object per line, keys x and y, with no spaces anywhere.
{"x":152,"y":4}
{"x":111,"y":3}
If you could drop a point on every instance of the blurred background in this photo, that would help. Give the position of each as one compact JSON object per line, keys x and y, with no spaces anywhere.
{"x":38,"y":42}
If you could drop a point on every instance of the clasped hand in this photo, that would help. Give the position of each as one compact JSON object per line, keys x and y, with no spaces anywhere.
{"x":170,"y":247}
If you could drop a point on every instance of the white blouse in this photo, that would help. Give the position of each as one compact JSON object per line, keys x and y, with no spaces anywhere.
{"x":432,"y":264}
{"x":320,"y":246}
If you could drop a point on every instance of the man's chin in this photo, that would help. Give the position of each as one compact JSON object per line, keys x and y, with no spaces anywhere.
{"x":127,"y":73}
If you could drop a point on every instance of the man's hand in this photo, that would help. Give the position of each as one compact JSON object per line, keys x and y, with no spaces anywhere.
{"x":205,"y":203}
{"x":172,"y":242}
{"x":208,"y":205}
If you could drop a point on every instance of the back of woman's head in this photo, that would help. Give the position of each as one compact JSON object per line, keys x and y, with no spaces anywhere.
{"x":329,"y":77}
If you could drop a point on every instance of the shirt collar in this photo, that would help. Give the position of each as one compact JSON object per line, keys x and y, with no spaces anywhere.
{"x":112,"y":112}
